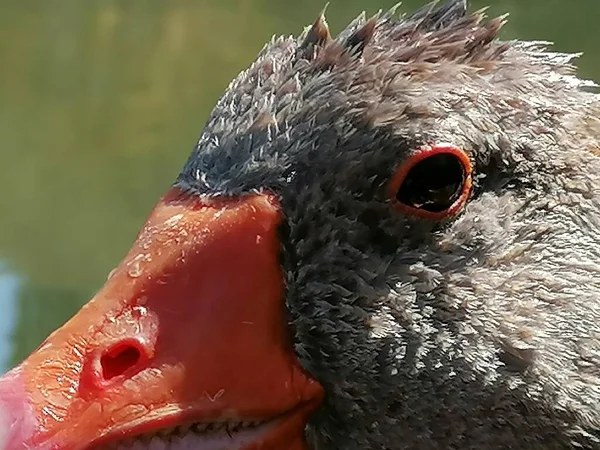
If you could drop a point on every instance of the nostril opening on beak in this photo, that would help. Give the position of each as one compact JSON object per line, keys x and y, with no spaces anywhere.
{"x":121,"y":359}
{"x":110,"y":364}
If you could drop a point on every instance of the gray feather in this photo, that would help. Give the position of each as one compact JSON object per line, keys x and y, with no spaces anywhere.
{"x":482,"y":331}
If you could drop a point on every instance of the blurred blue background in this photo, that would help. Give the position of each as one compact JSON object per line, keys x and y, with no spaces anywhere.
{"x":101,"y":102}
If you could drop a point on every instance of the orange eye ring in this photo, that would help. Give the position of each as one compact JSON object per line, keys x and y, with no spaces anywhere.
{"x":434,"y":183}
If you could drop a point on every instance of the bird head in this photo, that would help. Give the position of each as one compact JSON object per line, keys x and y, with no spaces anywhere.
{"x":387,"y":239}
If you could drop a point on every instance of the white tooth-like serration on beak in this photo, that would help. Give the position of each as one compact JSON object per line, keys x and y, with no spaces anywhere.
{"x":197,"y":436}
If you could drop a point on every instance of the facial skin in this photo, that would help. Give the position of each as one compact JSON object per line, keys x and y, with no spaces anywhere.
{"x":480,"y":329}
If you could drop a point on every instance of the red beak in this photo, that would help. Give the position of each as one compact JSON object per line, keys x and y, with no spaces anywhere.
{"x":189,"y":331}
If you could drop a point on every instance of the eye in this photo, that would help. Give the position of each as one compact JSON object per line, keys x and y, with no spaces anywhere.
{"x":434,"y":183}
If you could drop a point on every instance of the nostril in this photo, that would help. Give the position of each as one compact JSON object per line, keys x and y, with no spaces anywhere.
{"x":121,"y":359}
{"x":106,"y":365}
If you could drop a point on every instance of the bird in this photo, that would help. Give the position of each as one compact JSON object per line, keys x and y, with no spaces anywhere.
{"x":386,"y":239}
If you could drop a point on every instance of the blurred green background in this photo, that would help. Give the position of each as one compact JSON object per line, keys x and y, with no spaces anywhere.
{"x":101,"y":102}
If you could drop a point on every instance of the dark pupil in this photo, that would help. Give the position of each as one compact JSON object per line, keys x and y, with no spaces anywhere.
{"x":433,"y":184}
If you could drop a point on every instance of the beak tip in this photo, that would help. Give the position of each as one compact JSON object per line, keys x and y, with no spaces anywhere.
{"x":17,"y":419}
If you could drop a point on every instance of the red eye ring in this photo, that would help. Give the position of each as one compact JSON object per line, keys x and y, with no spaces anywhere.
{"x":420,"y":186}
